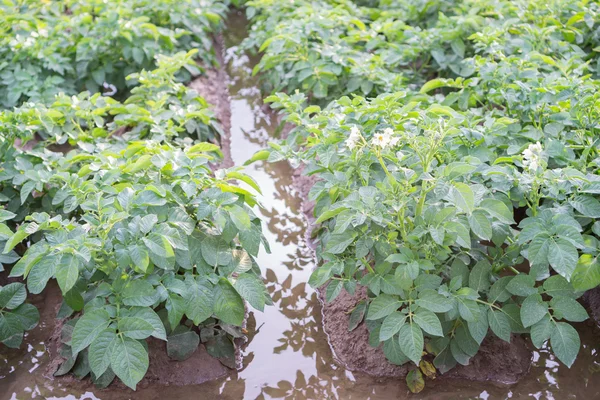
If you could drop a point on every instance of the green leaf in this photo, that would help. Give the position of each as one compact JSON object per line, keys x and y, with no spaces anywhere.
{"x":382,"y":306}
{"x":139,"y":293}
{"x":391,"y":350}
{"x":563,"y":257}
{"x":565,"y":343}
{"x":129,"y":361}
{"x":429,"y":322}
{"x":391,"y":325}
{"x":67,"y":272}
{"x":445,"y":361}
{"x":463,"y":198}
{"x":240,"y":217}
{"x":87,"y":329}
{"x":139,"y":256}
{"x":498,"y":292}
{"x":587,"y":273}
{"x":497,"y":209}
{"x":147,"y":222}
{"x":339,"y":242}
{"x":357,"y":315}
{"x":28,"y":314}
{"x":513,"y":314}
{"x":479,"y":279}
{"x":480,"y":225}
{"x":568,"y":308}
{"x":533,"y":310}
{"x":148,"y":315}
{"x":521,"y":285}
{"x":15,"y":239}
{"x":465,"y":341}
{"x":333,"y":290}
{"x":588,"y":206}
{"x":228,"y":304}
{"x":159,"y":245}
{"x":204,"y":147}
{"x":499,"y":324}
{"x":216,"y":251}
{"x":41,"y":273}
{"x":431,"y":300}
{"x":479,"y":327}
{"x":10,"y":325}
{"x":320,"y":275}
{"x":468,"y":309}
{"x":135,"y":328}
{"x":12,"y":295}
{"x":100,"y":351}
{"x":411,"y":342}
{"x":175,"y":306}
{"x":330,"y":214}
{"x":199,"y":305}
{"x":6,"y":215}
{"x":252,"y":289}
{"x":556,"y":285}
{"x":181,"y":345}
{"x":541,"y":331}
{"x":258,"y":156}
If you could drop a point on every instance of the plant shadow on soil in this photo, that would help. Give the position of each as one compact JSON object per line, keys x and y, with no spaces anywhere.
{"x":287,"y":354}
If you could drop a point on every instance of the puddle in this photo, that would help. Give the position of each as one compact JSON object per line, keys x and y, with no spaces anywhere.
{"x":288,"y":356}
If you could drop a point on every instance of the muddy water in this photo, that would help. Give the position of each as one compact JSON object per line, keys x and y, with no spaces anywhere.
{"x":287,"y":355}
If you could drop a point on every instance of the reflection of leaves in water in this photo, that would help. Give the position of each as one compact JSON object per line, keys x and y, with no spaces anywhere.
{"x":288,"y":229}
{"x":313,"y":388}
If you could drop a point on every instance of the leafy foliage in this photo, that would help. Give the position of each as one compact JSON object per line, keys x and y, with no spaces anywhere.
{"x":72,"y":46}
{"x":464,"y":195}
{"x":16,"y":316}
{"x":329,"y":48}
{"x":127,"y":211}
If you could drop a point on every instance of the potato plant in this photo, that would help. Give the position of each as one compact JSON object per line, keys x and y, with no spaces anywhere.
{"x":330,"y":48}
{"x":122,"y":205}
{"x":51,"y":47}
{"x":430,"y":231}
{"x":464,"y":196}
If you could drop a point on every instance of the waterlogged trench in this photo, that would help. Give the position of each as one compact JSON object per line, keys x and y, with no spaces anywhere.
{"x":287,"y":355}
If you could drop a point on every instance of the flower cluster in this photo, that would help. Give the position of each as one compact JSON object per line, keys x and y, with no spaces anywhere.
{"x":385,"y":139}
{"x":354,"y":138}
{"x":533,"y":157}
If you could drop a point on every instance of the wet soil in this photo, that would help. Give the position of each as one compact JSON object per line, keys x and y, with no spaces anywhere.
{"x":212,"y":86}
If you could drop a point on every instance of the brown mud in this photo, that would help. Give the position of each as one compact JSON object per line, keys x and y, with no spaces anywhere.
{"x":212,"y":86}
{"x":591,"y":299}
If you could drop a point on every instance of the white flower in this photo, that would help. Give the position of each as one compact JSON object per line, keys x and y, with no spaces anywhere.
{"x":382,"y":139}
{"x":532,"y":157}
{"x":354,"y":138}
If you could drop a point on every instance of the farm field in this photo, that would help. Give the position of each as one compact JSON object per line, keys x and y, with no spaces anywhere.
{"x":313,"y":199}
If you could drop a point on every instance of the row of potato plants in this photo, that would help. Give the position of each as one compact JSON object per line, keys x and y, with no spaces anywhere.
{"x":464,"y":192}
{"x":68,"y":46}
{"x":122,"y":203}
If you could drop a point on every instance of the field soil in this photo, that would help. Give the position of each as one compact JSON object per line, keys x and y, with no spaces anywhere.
{"x":213,"y":86}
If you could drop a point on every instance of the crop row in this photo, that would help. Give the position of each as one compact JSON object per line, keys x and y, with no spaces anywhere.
{"x":463,"y":192}
{"x":119,"y":199}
